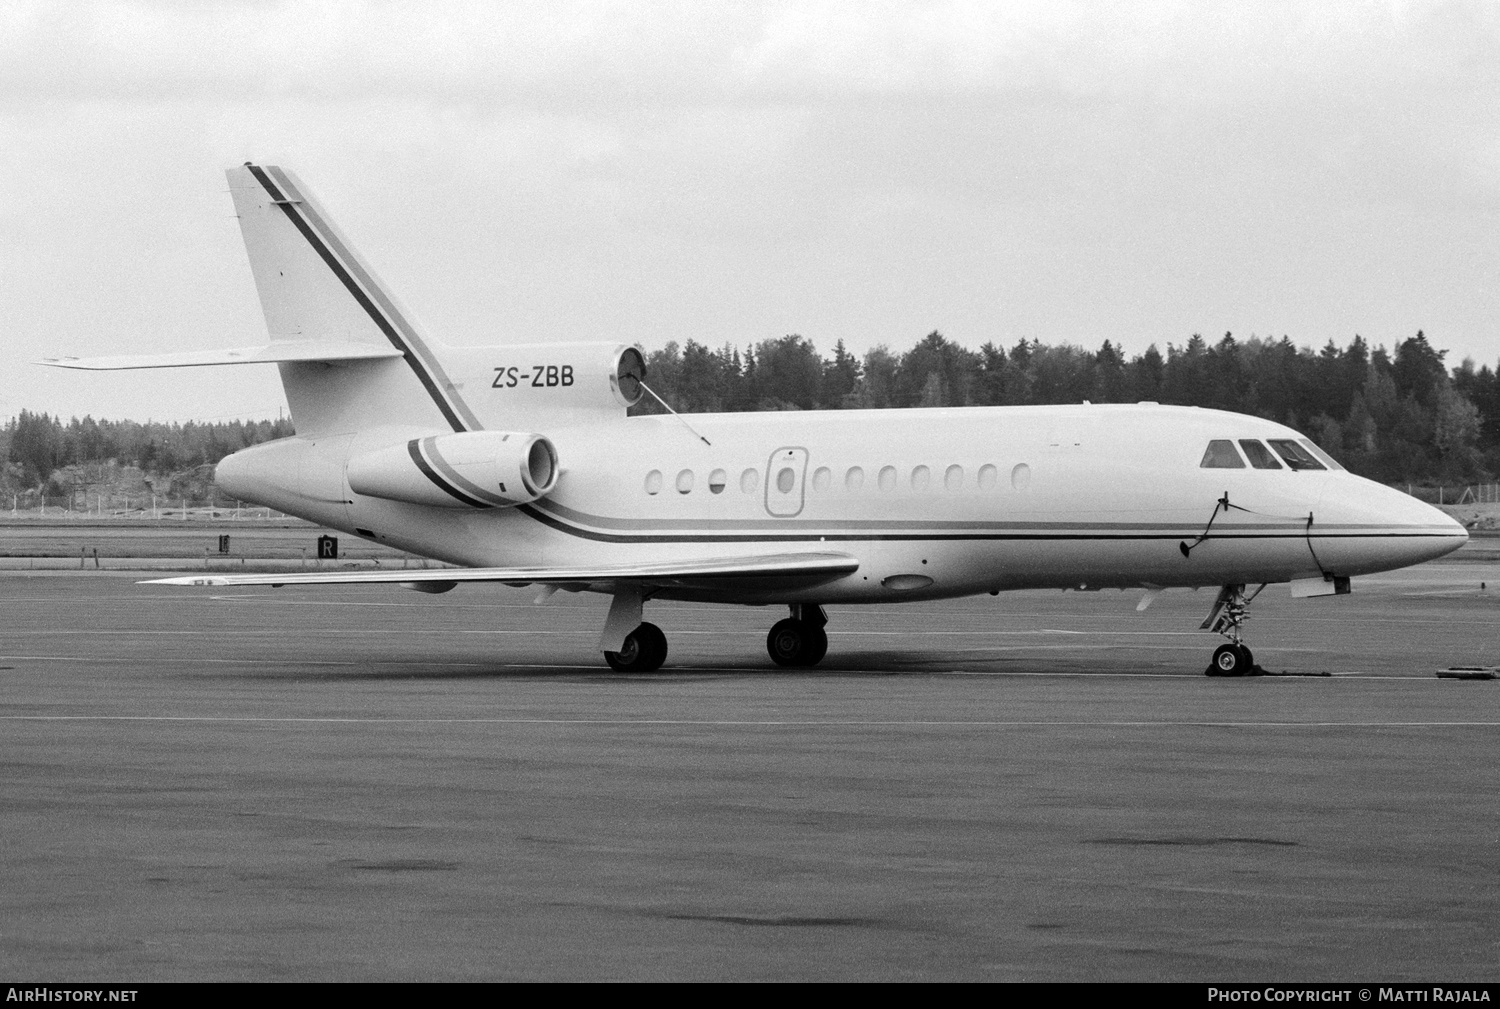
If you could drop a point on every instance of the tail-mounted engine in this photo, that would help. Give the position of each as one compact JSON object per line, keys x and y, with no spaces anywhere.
{"x":472,"y":469}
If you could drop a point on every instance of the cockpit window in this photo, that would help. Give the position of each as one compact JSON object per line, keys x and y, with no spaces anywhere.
{"x":1295,"y":455}
{"x":1260,"y":456}
{"x":1221,"y":455}
{"x":1327,"y":459}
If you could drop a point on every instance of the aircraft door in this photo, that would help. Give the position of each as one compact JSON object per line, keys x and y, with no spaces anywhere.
{"x":784,"y":481}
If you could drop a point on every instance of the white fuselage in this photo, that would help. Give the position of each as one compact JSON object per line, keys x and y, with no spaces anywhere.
{"x":932,"y":503}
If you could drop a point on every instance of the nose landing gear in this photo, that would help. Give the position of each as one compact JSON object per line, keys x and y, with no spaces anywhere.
{"x":1228,"y":616}
{"x":800,"y":639}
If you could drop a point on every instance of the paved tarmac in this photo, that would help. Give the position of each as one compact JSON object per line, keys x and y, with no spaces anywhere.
{"x":375,"y":784}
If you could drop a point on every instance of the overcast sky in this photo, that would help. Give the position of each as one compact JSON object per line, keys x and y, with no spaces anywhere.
{"x":1069,"y":172}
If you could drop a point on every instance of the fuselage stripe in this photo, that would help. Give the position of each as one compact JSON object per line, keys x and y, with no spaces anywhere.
{"x":442,"y":466}
{"x":937,"y":535}
{"x":585,"y":520}
{"x":414,"y":449}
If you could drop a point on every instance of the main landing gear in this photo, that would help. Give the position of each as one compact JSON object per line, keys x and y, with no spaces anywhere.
{"x":1228,"y":616}
{"x":800,"y":639}
{"x":629,"y":644}
{"x":644,"y":650}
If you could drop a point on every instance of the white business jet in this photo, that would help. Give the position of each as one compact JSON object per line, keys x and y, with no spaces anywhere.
{"x":518,"y":464}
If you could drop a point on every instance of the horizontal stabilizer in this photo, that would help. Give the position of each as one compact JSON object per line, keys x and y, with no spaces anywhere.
{"x":274,"y":353}
{"x":801,"y":568}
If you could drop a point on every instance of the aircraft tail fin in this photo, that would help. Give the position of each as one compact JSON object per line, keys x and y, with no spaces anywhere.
{"x":315,"y":289}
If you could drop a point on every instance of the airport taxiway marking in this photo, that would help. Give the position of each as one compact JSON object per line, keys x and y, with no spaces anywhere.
{"x":754,"y":723}
{"x":408,"y":632}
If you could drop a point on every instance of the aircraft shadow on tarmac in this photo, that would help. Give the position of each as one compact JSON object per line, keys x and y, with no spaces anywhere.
{"x":879,"y":664}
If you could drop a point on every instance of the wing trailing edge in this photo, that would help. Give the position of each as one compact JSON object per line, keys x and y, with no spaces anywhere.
{"x":791,"y":568}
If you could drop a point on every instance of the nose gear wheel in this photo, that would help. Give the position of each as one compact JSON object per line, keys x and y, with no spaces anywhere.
{"x":1231,"y":660}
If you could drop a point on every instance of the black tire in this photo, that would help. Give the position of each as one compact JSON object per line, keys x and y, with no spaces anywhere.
{"x":1229,"y":660}
{"x":817,"y":646}
{"x":656,"y":646}
{"x":795,"y":642}
{"x":788,"y":642}
{"x":644,"y":650}
{"x":1249,"y":657}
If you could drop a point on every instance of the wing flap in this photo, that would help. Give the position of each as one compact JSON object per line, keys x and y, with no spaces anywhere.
{"x":275,"y":353}
{"x":801,"y":568}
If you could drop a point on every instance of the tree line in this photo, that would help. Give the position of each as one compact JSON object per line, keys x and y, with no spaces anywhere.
{"x":42,"y":454}
{"x":1396,"y":416}
{"x":1399,"y":416}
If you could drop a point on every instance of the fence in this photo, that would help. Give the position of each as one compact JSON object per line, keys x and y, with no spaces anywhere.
{"x":82,"y":506}
{"x":1460,"y":494}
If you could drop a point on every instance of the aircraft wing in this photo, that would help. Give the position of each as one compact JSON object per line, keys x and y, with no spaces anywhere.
{"x":274,"y":353}
{"x":765,"y":571}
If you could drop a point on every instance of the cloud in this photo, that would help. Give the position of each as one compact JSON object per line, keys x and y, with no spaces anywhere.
{"x":360,"y":51}
{"x":869,"y":171}
{"x":1188,"y":51}
{"x":691,"y":52}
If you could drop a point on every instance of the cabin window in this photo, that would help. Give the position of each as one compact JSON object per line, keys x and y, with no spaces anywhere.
{"x":920,"y":477}
{"x":855,"y":478}
{"x":1260,"y":457}
{"x":888,"y":478}
{"x":822,"y":480}
{"x":1020,"y":477}
{"x":1326,"y":459}
{"x":716,"y":481}
{"x":685,"y":481}
{"x":1221,"y":455}
{"x":953,"y":479}
{"x":988,"y":477}
{"x":749,"y":481}
{"x":1295,"y":455}
{"x":786,"y":479}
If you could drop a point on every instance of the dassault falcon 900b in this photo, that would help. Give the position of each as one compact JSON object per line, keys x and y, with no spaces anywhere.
{"x":518,"y":464}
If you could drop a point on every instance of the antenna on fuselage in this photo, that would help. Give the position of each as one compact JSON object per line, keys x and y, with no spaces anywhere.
{"x":674,"y":413}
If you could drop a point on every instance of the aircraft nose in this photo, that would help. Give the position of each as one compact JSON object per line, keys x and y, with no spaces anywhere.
{"x":1451,"y":534}
{"x":1362,"y":527}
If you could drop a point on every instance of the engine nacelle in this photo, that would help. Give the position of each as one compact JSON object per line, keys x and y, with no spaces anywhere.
{"x":471,"y":469}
